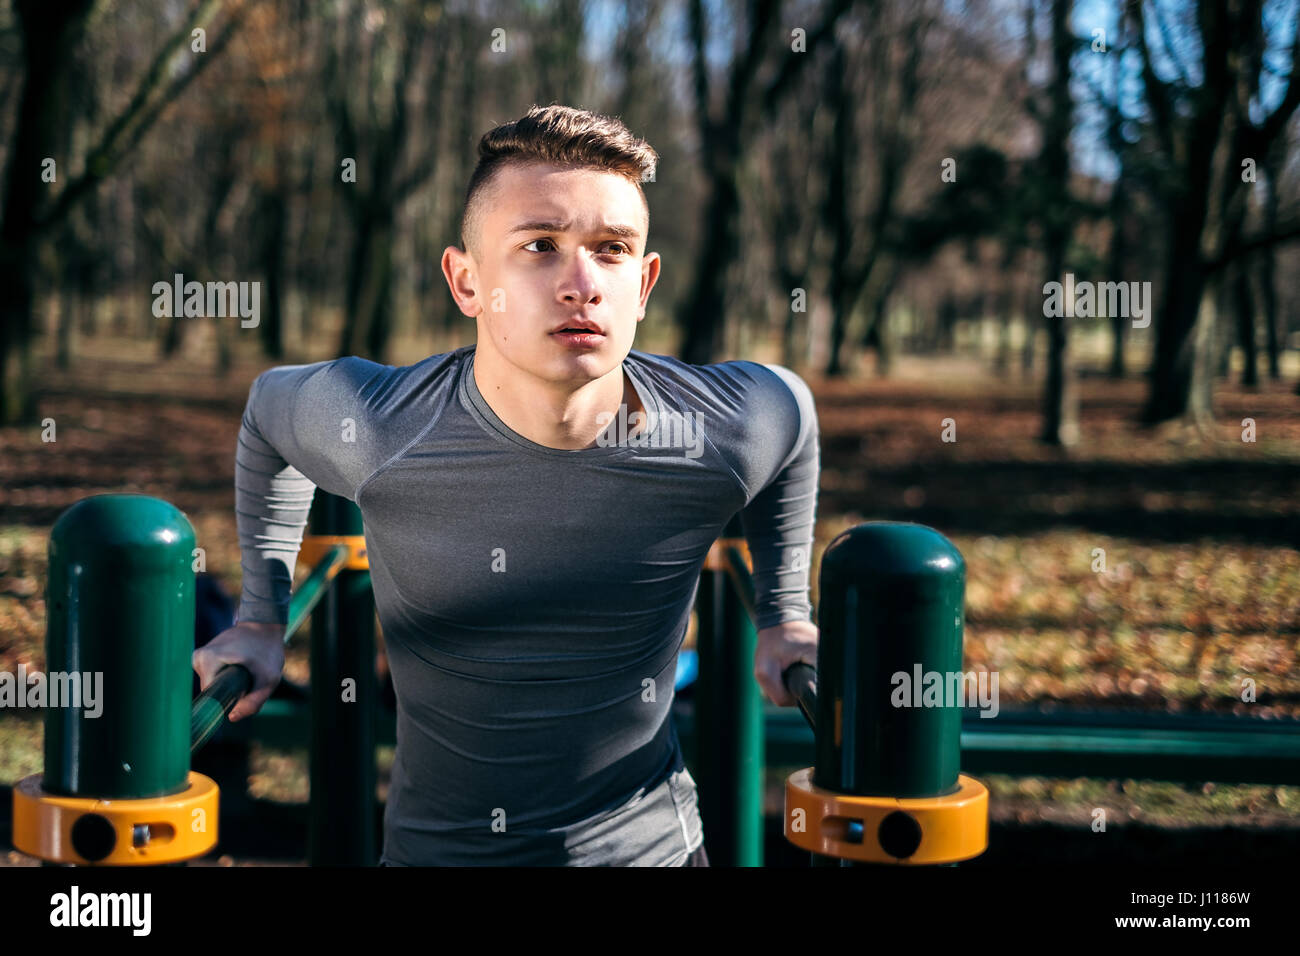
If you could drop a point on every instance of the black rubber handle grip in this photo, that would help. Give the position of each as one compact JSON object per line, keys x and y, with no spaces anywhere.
{"x":801,"y":681}
{"x":211,"y":707}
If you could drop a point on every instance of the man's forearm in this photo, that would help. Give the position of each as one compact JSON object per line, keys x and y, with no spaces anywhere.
{"x":779,"y":529}
{"x":272,"y":500}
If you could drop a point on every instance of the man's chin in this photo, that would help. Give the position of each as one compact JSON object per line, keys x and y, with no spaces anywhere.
{"x":588,"y":365}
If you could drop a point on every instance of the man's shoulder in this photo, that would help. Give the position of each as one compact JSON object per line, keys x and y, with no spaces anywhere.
{"x":377,"y":384}
{"x":351,"y":386}
{"x":431,"y":368}
{"x":737,"y":385}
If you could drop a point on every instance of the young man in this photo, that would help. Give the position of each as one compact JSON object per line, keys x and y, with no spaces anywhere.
{"x":537,"y":509}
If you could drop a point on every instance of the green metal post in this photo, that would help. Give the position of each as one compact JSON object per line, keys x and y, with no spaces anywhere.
{"x":343,"y":801}
{"x":890,"y":617}
{"x":730,"y":758}
{"x":120,"y":611}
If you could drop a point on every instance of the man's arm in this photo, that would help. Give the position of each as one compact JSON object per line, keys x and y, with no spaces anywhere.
{"x":289,"y":418}
{"x":779,"y":520}
{"x":778,"y":524}
{"x":272,"y":498}
{"x":303,"y":427}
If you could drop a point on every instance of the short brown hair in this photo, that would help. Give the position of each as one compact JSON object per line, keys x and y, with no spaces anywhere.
{"x":560,"y":135}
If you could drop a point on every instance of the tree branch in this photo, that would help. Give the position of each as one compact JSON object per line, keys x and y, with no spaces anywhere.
{"x":1163,"y":27}
{"x":139,"y":115}
{"x":1272,"y":127}
{"x":1157,"y":90}
{"x":1285,"y":231}
{"x":793,"y":63}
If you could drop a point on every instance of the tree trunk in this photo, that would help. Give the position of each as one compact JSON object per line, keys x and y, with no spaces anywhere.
{"x":1245,"y":311}
{"x":1200,"y":390}
{"x":271,"y":326}
{"x":1170,"y":376}
{"x":703,"y":310}
{"x":878,"y":336}
{"x":1267,"y":295}
{"x":367,"y":322}
{"x":1221,"y":342}
{"x":1060,"y":394}
{"x":1118,"y":322}
{"x":50,"y":32}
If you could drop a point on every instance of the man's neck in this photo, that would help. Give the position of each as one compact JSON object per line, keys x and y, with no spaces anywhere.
{"x":551,"y":416}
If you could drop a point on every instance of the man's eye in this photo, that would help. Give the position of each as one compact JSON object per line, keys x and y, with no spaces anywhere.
{"x":623,"y":248}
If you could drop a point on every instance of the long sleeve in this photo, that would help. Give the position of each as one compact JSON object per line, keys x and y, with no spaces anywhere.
{"x":299,"y":431}
{"x":272,"y":499}
{"x":778,"y":521}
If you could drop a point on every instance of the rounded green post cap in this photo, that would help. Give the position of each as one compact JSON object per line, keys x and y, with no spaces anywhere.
{"x":891,"y":548}
{"x":145,"y":528}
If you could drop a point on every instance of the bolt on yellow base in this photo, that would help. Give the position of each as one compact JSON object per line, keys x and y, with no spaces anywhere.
{"x":90,"y":831}
{"x":918,"y":830}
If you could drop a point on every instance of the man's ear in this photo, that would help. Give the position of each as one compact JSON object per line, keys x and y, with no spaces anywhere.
{"x":650,"y":264}
{"x":461,"y":272}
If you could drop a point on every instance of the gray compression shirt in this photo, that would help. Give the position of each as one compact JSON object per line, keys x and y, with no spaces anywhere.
{"x":532,"y":599}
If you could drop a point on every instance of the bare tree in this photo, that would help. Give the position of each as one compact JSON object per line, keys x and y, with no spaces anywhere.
{"x":726,"y":132}
{"x":1060,"y":392}
{"x":50,"y":34}
{"x":369,"y":102}
{"x":863,"y":241}
{"x":1206,"y":132}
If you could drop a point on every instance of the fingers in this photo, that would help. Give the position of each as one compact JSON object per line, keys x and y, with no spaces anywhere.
{"x":206,"y":665}
{"x":768,"y":676}
{"x":208,"y":662}
{"x":250,"y":704}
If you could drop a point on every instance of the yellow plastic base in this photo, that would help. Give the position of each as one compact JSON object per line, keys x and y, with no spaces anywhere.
{"x":181,"y":826}
{"x":953,"y":827}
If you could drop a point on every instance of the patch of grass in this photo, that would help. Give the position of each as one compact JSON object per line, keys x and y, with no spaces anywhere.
{"x":284,"y":776}
{"x":279,"y":775}
{"x":22,"y":743}
{"x":1155,"y":802}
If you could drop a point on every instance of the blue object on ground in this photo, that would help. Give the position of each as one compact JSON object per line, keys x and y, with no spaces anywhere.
{"x":688,"y":668}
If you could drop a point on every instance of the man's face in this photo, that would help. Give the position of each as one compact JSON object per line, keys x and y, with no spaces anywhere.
{"x":557,"y":246}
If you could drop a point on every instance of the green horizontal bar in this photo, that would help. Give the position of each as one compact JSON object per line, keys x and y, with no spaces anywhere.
{"x":1152,"y":742}
{"x":1253,"y":751}
{"x":209,"y":710}
{"x":287,"y":724}
{"x":1252,"y":755}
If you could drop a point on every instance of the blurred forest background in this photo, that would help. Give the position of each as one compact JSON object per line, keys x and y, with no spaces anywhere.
{"x":842,"y":182}
{"x":875,"y":193}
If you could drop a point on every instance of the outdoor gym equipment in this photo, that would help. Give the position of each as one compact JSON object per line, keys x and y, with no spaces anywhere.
{"x":887,"y":786}
{"x":117,"y":787}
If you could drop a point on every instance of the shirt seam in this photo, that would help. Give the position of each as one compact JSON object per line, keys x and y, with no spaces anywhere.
{"x":401,"y":453}
{"x":671,"y":386}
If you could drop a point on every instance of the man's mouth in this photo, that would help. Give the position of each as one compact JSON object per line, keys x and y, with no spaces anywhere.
{"x":579,"y":337}
{"x":581,"y":327}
